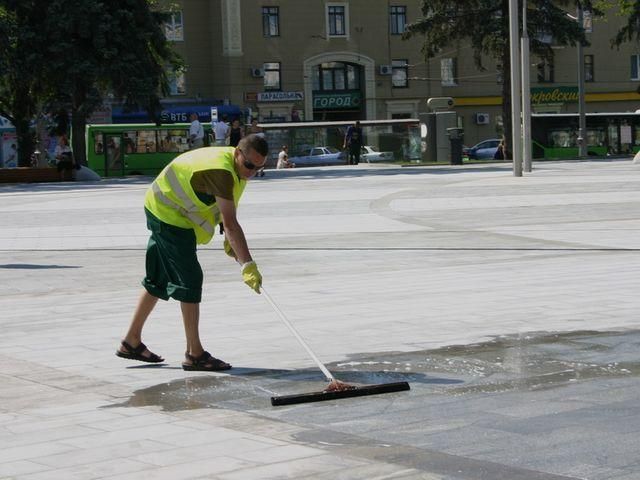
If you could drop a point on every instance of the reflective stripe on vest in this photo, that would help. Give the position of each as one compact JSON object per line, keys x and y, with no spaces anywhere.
{"x":189,"y":209}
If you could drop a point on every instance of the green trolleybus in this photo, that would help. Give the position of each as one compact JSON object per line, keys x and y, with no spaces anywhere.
{"x":136,"y":149}
{"x":555,"y":135}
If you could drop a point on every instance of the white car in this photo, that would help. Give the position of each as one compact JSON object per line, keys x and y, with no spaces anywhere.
{"x":317,"y":156}
{"x":372,"y":154}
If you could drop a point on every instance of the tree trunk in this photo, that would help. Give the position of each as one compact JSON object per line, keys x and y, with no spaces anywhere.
{"x":79,"y":123}
{"x":78,"y":141}
{"x":23,"y":110}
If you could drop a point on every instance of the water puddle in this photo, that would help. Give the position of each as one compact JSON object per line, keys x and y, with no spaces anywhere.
{"x":517,"y":362}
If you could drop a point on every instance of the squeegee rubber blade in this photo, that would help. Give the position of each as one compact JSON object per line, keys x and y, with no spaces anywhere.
{"x":356,"y":392}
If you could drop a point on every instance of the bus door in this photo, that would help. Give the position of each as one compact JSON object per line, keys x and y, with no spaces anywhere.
{"x":113,"y":155}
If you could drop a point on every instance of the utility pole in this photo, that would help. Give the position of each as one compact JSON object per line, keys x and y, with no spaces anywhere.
{"x":526,"y":92}
{"x":516,"y":140}
{"x":582,"y":120}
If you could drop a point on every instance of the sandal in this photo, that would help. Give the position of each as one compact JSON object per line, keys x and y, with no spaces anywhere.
{"x":132,"y":353}
{"x":205,"y":363}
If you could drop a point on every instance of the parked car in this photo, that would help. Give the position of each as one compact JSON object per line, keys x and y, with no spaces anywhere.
{"x":483,"y":150}
{"x":372,"y":154}
{"x":317,"y":156}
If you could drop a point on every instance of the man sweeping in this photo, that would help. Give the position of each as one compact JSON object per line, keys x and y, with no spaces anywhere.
{"x":197,"y":191}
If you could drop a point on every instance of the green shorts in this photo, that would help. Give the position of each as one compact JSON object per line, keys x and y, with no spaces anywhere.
{"x":172,"y":267}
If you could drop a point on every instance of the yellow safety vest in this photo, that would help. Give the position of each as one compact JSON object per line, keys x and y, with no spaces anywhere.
{"x":172,"y":199}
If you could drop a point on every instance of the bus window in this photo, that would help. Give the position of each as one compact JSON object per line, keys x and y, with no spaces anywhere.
{"x":174,"y":141}
{"x":146,"y":141}
{"x":129,"y":139}
{"x":562,"y":137}
{"x":98,"y":143}
{"x":114,"y":159}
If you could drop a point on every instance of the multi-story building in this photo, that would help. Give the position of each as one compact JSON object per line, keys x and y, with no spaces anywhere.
{"x":286,"y":60}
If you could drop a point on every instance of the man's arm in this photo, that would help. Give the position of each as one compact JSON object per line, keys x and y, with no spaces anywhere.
{"x":233,"y":230}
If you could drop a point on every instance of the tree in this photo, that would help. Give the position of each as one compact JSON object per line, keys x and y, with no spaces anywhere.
{"x":83,"y":50}
{"x":484,"y":24}
{"x":21,"y":63}
{"x":630,"y":9}
{"x":115,"y":46}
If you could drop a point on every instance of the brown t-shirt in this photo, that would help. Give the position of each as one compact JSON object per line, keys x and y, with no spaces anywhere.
{"x":208,"y":184}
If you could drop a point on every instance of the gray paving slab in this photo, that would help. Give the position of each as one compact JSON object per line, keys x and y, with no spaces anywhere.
{"x":509,"y":304}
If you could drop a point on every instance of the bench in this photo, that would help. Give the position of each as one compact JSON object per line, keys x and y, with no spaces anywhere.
{"x":28,"y":175}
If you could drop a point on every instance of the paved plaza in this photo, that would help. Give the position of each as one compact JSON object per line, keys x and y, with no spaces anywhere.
{"x":511,"y":306}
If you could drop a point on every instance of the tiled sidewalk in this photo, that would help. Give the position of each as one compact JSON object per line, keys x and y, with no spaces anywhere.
{"x":381,"y":269}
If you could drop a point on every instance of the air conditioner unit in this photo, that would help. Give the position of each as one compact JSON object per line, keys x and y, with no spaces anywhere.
{"x":384,"y":69}
{"x":482,"y":118}
{"x":257,"y":72}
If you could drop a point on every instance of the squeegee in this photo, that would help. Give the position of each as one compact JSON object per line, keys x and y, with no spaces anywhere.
{"x":336,"y":389}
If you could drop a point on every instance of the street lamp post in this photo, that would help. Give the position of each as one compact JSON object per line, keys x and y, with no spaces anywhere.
{"x":526,"y":93}
{"x":516,"y":140}
{"x":582,"y":119}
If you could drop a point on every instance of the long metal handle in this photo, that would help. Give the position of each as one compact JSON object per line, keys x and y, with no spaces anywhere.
{"x":282,"y":316}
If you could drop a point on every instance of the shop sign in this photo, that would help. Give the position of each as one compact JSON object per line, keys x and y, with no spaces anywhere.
{"x":543,"y":95}
{"x":333,"y":101}
{"x":280,"y":96}
{"x":250,"y":97}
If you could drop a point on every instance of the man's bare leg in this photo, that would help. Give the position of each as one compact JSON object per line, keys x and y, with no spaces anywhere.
{"x":191,"y":319}
{"x":146,"y":304}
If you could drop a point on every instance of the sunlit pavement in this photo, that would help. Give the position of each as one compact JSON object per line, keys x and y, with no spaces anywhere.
{"x":509,"y":304}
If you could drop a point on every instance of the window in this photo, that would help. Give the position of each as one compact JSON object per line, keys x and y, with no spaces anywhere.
{"x":336,"y":76}
{"x":448,"y":72}
{"x":173,"y":28}
{"x":635,"y":67}
{"x":337,"y":20}
{"x":271,"y":76}
{"x":177,"y":84}
{"x":174,"y":141}
{"x":588,"y":69}
{"x":397,"y":20}
{"x":399,"y":73}
{"x":270,"y":22}
{"x":545,"y":71}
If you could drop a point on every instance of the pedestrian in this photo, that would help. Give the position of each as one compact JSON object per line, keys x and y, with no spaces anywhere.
{"x":235,"y":134}
{"x":283,"y":159}
{"x":196,"y":132}
{"x":353,"y":140}
{"x":198,"y":190}
{"x":64,"y":159}
{"x":499,"y":155}
{"x":222,"y":131}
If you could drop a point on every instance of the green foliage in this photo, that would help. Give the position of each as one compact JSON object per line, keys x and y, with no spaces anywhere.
{"x":484,"y":26}
{"x":71,"y":53}
{"x":630,"y":9}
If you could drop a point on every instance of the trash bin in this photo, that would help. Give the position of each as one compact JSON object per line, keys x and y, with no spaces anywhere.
{"x":456,"y":137}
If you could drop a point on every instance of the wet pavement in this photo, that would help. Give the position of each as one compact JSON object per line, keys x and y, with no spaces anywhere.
{"x":509,"y":305}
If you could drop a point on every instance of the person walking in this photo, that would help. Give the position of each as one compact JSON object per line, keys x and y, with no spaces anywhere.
{"x":221,"y":130}
{"x":196,"y":132}
{"x":236,"y":133}
{"x":283,"y":159}
{"x":198,"y":190}
{"x":353,"y":140}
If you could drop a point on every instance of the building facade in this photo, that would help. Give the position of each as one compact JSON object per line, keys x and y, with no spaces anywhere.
{"x":288,"y":60}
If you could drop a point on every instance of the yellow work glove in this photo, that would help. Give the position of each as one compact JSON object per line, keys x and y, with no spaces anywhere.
{"x":228,"y":250}
{"x":251,"y":275}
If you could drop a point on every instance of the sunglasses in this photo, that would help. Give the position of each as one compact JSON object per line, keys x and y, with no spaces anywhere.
{"x":248,"y":164}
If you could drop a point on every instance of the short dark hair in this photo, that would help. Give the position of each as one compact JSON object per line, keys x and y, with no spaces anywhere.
{"x":256,"y":142}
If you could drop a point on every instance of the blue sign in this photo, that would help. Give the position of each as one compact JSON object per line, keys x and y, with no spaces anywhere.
{"x":176,"y":114}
